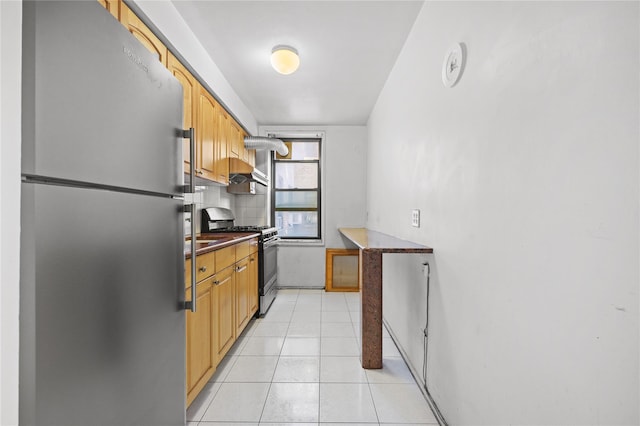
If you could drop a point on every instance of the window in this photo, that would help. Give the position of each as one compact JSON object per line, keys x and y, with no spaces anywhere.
{"x":296,"y":194}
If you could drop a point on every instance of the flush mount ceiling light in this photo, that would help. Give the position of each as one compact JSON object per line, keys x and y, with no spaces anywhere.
{"x":284,"y":59}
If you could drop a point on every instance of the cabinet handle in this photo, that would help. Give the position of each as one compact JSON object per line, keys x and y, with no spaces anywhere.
{"x":200,"y":172}
{"x":216,"y":282}
{"x":203,"y":269}
{"x":252,"y":260}
{"x":240,"y":269}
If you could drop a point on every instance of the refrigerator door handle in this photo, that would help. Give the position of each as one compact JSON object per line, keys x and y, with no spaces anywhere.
{"x":190,"y":134}
{"x":190,"y":305}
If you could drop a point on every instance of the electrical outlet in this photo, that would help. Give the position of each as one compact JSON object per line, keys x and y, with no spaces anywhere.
{"x":415,"y":218}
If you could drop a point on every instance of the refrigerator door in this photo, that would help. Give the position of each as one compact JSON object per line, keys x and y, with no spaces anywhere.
{"x":102,"y":325}
{"x":97,"y":106}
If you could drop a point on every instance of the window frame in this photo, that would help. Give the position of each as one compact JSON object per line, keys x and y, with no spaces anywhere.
{"x":318,"y":238}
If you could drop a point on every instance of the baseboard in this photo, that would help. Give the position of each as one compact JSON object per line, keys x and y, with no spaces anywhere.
{"x":421,"y":385}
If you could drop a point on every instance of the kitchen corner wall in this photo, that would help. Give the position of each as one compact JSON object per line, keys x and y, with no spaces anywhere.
{"x":527,"y":177}
{"x":252,"y":209}
{"x":344,"y":181}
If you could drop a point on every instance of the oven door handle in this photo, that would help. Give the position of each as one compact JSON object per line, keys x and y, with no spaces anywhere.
{"x":272,"y":242}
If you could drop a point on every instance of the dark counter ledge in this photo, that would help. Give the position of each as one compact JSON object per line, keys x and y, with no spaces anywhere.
{"x":216,"y":241}
{"x":372,"y":245}
{"x":366,"y":239}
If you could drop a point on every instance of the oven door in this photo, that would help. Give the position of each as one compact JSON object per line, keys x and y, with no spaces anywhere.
{"x":269,"y":282}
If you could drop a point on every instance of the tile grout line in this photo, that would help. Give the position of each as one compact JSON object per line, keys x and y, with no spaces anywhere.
{"x":264,"y":405}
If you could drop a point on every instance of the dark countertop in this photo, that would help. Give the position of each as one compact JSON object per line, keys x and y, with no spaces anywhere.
{"x":369,"y":240}
{"x":212,"y":242}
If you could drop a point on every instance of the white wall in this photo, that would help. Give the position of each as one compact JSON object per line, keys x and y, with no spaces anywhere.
{"x":527,"y":177}
{"x":344,"y":180}
{"x":10,"y":104}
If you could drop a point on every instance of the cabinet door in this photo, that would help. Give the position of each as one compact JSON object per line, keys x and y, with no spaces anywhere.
{"x":242,"y":294}
{"x":243,"y":152}
{"x":143,"y":33}
{"x":190,"y":87}
{"x":233,"y":139}
{"x":224,"y":292}
{"x":113,"y":6}
{"x":222,"y":155}
{"x":206,"y":135}
{"x":201,"y":356}
{"x":253,"y":284}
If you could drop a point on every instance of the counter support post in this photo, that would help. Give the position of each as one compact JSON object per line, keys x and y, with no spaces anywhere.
{"x":371,"y":316}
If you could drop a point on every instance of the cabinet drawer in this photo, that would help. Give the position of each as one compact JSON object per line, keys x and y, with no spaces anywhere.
{"x":205,"y":267}
{"x":225,"y":257}
{"x":242,"y":250}
{"x":245,"y":248}
{"x":254,"y":245}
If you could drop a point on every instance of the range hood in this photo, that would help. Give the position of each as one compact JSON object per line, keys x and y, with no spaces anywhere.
{"x":242,"y":172}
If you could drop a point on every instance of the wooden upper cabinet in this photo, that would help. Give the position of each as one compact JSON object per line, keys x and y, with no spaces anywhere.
{"x":235,"y":133}
{"x":143,"y":33}
{"x":222,"y":156}
{"x":206,"y":135}
{"x":244,"y":152}
{"x":113,"y":6}
{"x":218,"y":135}
{"x":190,"y":87}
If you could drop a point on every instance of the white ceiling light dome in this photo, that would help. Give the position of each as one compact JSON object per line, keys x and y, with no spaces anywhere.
{"x":285,"y":59}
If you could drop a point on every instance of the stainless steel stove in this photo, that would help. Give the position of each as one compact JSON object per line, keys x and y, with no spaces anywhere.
{"x":218,"y":219}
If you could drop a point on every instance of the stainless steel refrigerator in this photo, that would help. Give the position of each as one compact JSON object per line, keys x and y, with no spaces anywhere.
{"x":102,"y":328}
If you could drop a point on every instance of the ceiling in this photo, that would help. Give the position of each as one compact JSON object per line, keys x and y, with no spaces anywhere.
{"x":347,"y":49}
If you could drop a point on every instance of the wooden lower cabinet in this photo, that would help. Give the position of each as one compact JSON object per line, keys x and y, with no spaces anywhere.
{"x":242,"y":294}
{"x":253,"y":284}
{"x":224,"y":302}
{"x":227,"y":298}
{"x":201,"y":356}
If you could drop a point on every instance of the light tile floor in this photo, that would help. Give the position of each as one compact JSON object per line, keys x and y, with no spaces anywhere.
{"x":300,"y":365}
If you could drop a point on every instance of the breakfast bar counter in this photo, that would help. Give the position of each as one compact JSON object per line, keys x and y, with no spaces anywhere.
{"x":372,"y":245}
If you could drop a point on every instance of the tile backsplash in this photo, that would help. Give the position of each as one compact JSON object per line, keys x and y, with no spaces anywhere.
{"x":252,"y":209}
{"x":248,"y":209}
